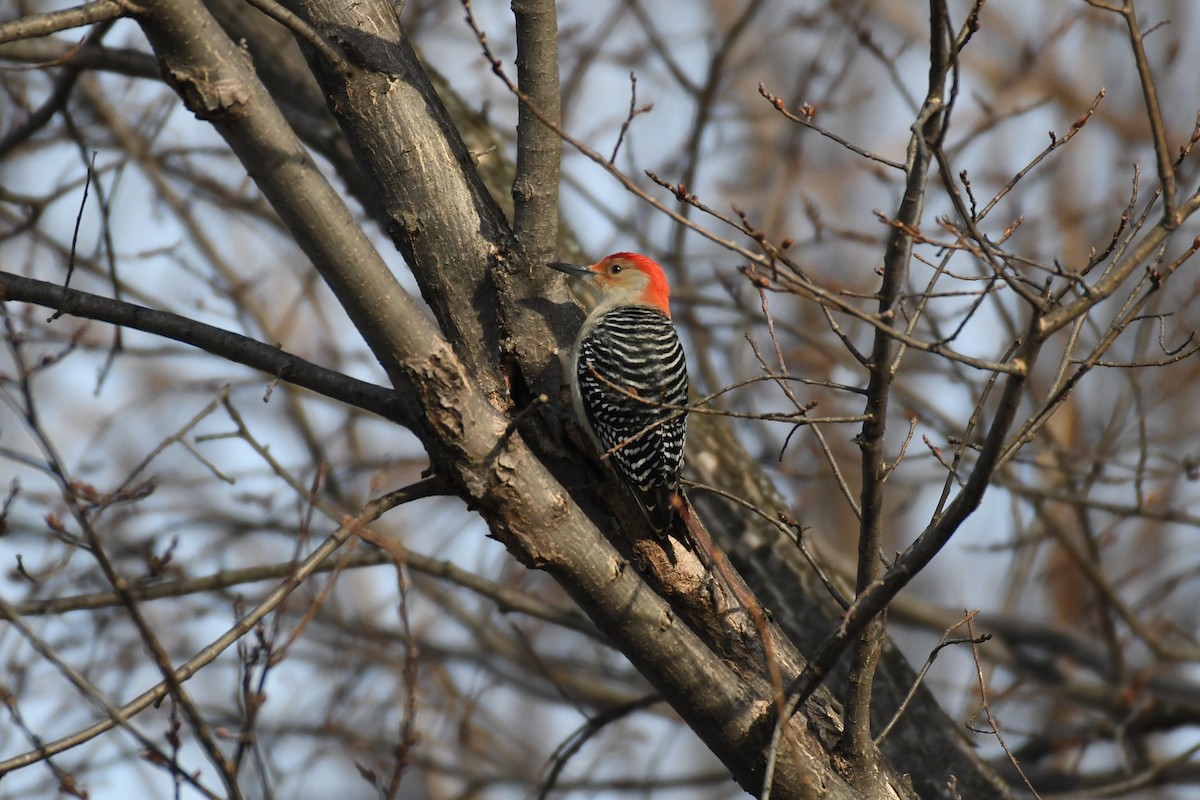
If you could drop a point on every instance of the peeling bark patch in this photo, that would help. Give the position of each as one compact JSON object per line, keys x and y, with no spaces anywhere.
{"x":449,"y":420}
{"x":677,"y":574}
{"x":212,"y":100}
{"x":440,"y":382}
{"x":503,"y":469}
{"x":505,"y":466}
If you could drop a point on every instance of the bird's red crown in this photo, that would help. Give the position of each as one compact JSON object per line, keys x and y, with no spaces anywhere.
{"x":656,"y":292}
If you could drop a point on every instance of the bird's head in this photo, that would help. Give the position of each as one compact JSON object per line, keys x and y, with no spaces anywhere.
{"x":619,"y":279}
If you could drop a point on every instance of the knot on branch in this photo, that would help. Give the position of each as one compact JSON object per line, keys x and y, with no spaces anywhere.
{"x":212,"y":100}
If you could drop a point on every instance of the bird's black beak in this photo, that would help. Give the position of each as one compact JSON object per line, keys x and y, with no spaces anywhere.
{"x":572,"y":269}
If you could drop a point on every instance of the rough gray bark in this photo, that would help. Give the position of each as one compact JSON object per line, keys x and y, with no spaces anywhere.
{"x":500,"y":322}
{"x":453,"y":409}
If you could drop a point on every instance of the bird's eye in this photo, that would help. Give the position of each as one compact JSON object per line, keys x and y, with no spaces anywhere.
{"x":614,"y":269}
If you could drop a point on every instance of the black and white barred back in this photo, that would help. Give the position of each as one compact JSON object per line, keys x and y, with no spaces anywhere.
{"x":633,"y":381}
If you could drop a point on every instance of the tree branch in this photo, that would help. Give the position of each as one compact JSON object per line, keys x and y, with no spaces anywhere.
{"x":37,"y":25}
{"x":228,"y":345}
{"x":930,"y":541}
{"x":539,"y":150}
{"x":439,"y":214}
{"x":927,"y":133}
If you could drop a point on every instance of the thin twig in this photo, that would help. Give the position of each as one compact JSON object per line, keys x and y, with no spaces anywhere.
{"x":371,"y":511}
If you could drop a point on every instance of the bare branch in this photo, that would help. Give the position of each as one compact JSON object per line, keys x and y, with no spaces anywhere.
{"x":226,"y":344}
{"x":35,"y":25}
{"x":539,"y":150}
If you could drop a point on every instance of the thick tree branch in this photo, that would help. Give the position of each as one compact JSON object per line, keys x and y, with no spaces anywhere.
{"x":479,"y":450}
{"x":216,"y":81}
{"x":539,"y":150}
{"x":439,"y":213}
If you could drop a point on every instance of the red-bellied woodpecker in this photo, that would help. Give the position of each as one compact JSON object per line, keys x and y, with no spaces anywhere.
{"x":629,"y":380}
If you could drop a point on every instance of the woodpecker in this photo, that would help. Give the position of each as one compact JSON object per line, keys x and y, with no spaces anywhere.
{"x":629,"y":379}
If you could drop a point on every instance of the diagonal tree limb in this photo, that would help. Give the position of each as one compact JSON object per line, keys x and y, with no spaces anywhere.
{"x":226,"y":344}
{"x":469,"y":441}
